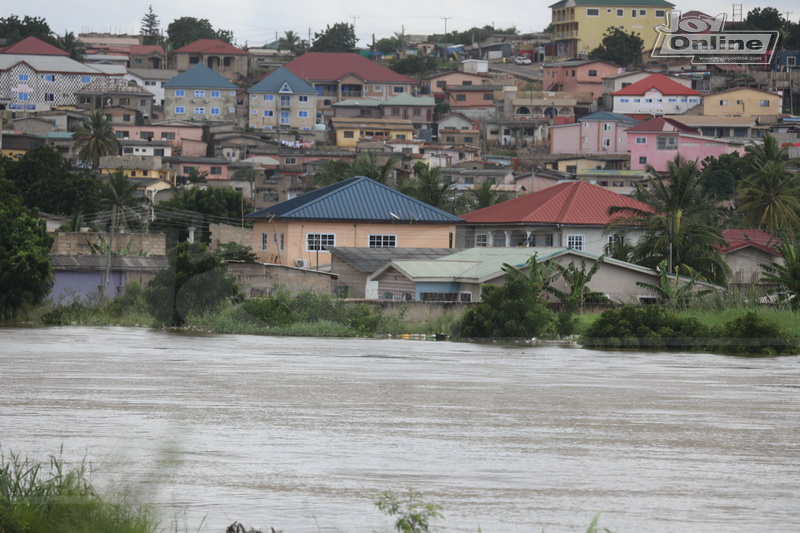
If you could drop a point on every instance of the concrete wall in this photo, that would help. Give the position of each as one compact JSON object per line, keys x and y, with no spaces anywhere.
{"x":257,"y":279}
{"x":77,"y":243}
{"x":222,"y":233}
{"x":415,"y":311}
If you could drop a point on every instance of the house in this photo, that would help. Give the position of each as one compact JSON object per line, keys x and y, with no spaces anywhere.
{"x":656,"y":94}
{"x":212,"y":168}
{"x":579,"y":25}
{"x":347,"y":132}
{"x":657,"y":141}
{"x":518,"y":133}
{"x":147,"y":167}
{"x":153,"y":80}
{"x":435,"y":85}
{"x":742,"y":102}
{"x":471,"y":97}
{"x":151,"y":57}
{"x":558,"y":107}
{"x":184,"y":138}
{"x":578,"y":76}
{"x":417,"y":109}
{"x":145,"y":148}
{"x":224,"y":59}
{"x":458,"y":277}
{"x":105,"y":93}
{"x":572,"y":214}
{"x":200,"y":95}
{"x":338,"y":76}
{"x":725,"y":126}
{"x":601,"y":132}
{"x":282,"y":101}
{"x":81,"y":277}
{"x":747,"y":251}
{"x":17,"y":144}
{"x":35,"y":76}
{"x":357,"y":212}
{"x":612,"y":84}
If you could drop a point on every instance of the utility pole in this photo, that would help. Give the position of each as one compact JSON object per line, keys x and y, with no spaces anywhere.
{"x":354,"y":22}
{"x":445,"y":27}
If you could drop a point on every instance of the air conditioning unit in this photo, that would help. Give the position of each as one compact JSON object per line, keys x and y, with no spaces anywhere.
{"x":192,"y":100}
{"x":301,"y":263}
{"x":205,"y":101}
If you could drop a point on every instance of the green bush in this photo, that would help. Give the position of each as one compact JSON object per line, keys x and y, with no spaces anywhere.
{"x":269,"y":311}
{"x":753,"y":334}
{"x":644,"y":327}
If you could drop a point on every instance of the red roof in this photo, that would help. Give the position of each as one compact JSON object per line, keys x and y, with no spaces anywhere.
{"x":662,"y":124}
{"x":146,"y":49}
{"x":661,"y":83}
{"x":31,"y":46}
{"x":575,"y":203}
{"x":330,"y":66}
{"x":758,"y":238}
{"x":209,"y":46}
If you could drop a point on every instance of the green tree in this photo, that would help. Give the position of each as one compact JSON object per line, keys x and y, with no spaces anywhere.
{"x":95,"y":137}
{"x":290,"y":41}
{"x":785,"y":277}
{"x":485,"y":194}
{"x":69,"y":43}
{"x":15,"y":29}
{"x":431,"y":188}
{"x":769,"y":199}
{"x":516,"y":309}
{"x":333,"y":171}
{"x":620,"y":47}
{"x":412,"y":515}
{"x":194,"y":281}
{"x":150,"y":28}
{"x":45,"y":183}
{"x":759,"y":154}
{"x":233,"y":251}
{"x":185,"y":30}
{"x":26,"y":275}
{"x":681,"y":226}
{"x":620,"y":247}
{"x":197,"y":207}
{"x":386,"y":46}
{"x":675,"y":292}
{"x":341,"y":37}
{"x":368,"y":164}
{"x":577,"y":293}
{"x":722,"y":174}
{"x":415,"y":65}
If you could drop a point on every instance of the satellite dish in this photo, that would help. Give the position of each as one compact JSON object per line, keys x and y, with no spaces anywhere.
{"x":394,"y":216}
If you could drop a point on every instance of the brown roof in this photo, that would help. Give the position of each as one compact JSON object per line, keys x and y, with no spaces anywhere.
{"x":661,"y":124}
{"x":209,"y":46}
{"x":34,"y":47}
{"x":331,"y":66}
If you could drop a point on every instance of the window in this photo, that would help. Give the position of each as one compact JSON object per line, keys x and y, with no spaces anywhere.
{"x":641,"y":140}
{"x":286,"y":99}
{"x":642,"y":12}
{"x":620,"y":12}
{"x":22,"y":77}
{"x":548,"y":239}
{"x":289,"y":160}
{"x":319,"y":242}
{"x":214,"y":94}
{"x":280,"y":242}
{"x":168,"y":136}
{"x":466,"y":82}
{"x":302,"y":98}
{"x":673,"y":100}
{"x":216,"y":171}
{"x":268,"y":113}
{"x":469,"y":181}
{"x":49,"y":97}
{"x":575,"y":242}
{"x":637,"y":100}
{"x":450,"y":139}
{"x":122,"y":134}
{"x":383,"y":241}
{"x":592,"y":12}
{"x":764,"y":103}
{"x":180,"y":92}
{"x":461,"y":98}
{"x":442,"y":84}
{"x":215,"y":111}
{"x":398,"y":90}
{"x":606,"y":143}
{"x":592,"y":73}
{"x":127,"y":150}
{"x":482,"y":240}
{"x":624,"y":100}
{"x":284,"y":117}
{"x":187,"y":170}
{"x":269,"y":97}
{"x":199,"y":111}
{"x":395,"y":111}
{"x":48,"y":77}
{"x":149,"y":83}
{"x":270,"y":196}
{"x":199,"y":93}
{"x":180,"y":110}
{"x":642,"y":160}
{"x":126,"y":117}
{"x":607,"y":126}
{"x":22,"y":97}
{"x":349,"y":134}
{"x":488,"y":96}
{"x":377,"y":88}
{"x":264,"y":240}
{"x":723,"y":102}
{"x":660,"y":13}
{"x":648,"y":100}
{"x":302,"y":114}
{"x":416,"y":112}
{"x":633,"y":13}
{"x":468,"y":139}
{"x":664,"y":142}
{"x":86,"y":79}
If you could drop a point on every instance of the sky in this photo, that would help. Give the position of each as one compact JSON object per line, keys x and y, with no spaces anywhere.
{"x":255,"y":22}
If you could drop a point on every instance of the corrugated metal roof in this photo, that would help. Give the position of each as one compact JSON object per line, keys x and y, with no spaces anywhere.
{"x":576,"y":203}
{"x":209,"y":46}
{"x":660,"y":82}
{"x":34,"y":46}
{"x":199,"y":77}
{"x":359,"y":198}
{"x":99,"y":262}
{"x":371,"y":259}
{"x":274,"y":81}
{"x":64,"y":65}
{"x":331,"y":66}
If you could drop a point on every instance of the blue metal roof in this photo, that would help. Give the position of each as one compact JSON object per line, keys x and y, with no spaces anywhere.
{"x":199,"y":77}
{"x":359,"y":198}
{"x":608,"y":115}
{"x":277,"y":79}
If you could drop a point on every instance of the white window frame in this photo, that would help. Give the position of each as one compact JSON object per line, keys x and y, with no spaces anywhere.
{"x":641,"y":140}
{"x":320,"y":241}
{"x":180,"y":110}
{"x":302,"y":114}
{"x":380,"y":240}
{"x":199,"y":93}
{"x":179,"y":93}
{"x":606,"y":126}
{"x":215,"y":111}
{"x":268,"y":113}
{"x":199,"y":111}
{"x":214,"y":94}
{"x":576,"y":241}
{"x":481,"y":240}
{"x":302,"y":98}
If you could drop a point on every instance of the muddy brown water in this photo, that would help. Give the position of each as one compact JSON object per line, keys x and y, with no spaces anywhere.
{"x":302,"y":434}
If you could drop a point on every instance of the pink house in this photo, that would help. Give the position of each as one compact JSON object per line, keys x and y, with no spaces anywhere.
{"x":657,"y":141}
{"x":601,"y":132}
{"x":579,"y":76}
{"x":185,"y":138}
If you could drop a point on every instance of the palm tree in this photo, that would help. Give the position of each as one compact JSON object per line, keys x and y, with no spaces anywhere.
{"x":674,"y":293}
{"x":290,"y":41}
{"x":682,"y":225}
{"x":95,"y":138}
{"x":769,"y":198}
{"x":485,"y":194}
{"x":759,"y":154}
{"x":432,"y":189}
{"x":786,"y":277}
{"x":577,"y":293}
{"x":368,"y":164}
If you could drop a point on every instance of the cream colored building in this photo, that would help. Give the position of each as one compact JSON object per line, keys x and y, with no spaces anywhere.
{"x":579,"y":25}
{"x":742,"y":102}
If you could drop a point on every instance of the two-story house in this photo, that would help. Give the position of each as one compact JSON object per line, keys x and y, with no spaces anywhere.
{"x":434,"y":85}
{"x":598,"y":133}
{"x":742,"y":102}
{"x":147,"y":57}
{"x":153,"y":80}
{"x":655,"y":95}
{"x":200,"y":95}
{"x":338,"y":76}
{"x":282,"y":101}
{"x":579,"y":25}
{"x":578,"y":76}
{"x":221,"y":57}
{"x":612,"y":84}
{"x":34,"y":76}
{"x":417,"y":109}
{"x":104,"y":93}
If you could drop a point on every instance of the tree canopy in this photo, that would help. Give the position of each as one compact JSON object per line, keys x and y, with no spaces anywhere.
{"x":15,"y":29}
{"x":185,"y":30}
{"x":620,"y":47}
{"x":95,"y":138}
{"x":26,"y":275}
{"x":150,"y":28}
{"x":341,"y":37}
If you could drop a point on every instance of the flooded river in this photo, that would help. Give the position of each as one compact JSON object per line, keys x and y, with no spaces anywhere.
{"x":303,"y":434}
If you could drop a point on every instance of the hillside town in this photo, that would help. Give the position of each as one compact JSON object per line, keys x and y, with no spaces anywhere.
{"x":411,"y":170}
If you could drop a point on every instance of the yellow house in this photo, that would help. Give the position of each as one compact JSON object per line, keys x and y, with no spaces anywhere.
{"x":348,"y":131}
{"x":579,"y":25}
{"x":742,"y":102}
{"x":137,"y":166}
{"x":357,"y":212}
